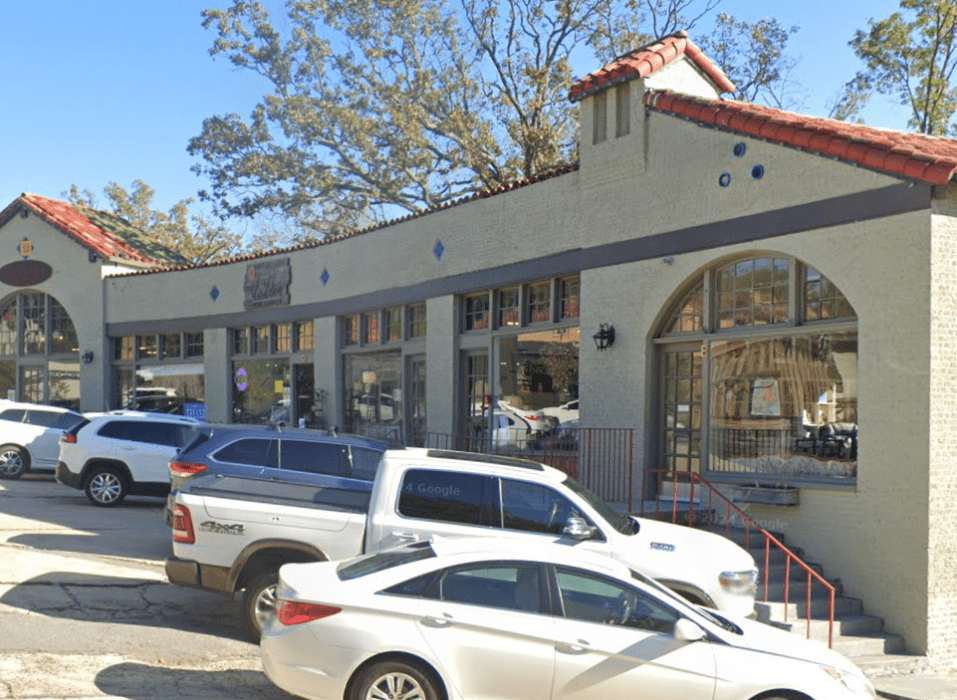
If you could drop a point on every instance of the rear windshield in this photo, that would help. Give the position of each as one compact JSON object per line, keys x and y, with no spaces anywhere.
{"x":380,"y":561}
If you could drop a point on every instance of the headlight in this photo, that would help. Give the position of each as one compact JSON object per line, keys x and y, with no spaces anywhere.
{"x":858,"y":685}
{"x":739,"y":581}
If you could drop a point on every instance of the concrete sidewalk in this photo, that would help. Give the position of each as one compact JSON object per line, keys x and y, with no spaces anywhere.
{"x":918,"y":686}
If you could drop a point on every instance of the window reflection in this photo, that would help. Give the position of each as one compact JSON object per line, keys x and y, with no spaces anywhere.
{"x":785,"y":407}
{"x":373,"y":394}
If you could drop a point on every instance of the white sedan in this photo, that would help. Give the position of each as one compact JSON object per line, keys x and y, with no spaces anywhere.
{"x":468,"y":618}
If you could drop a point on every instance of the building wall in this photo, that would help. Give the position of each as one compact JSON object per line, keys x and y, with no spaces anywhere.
{"x":940,"y":513}
{"x":896,"y":271}
{"x":76,"y":284}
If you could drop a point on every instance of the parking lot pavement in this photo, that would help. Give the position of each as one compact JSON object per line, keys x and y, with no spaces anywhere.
{"x":86,"y":612}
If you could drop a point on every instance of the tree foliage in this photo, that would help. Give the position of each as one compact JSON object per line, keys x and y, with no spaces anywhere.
{"x":754,"y":57}
{"x":376,"y":108}
{"x":910,"y":56}
{"x":190,"y":235}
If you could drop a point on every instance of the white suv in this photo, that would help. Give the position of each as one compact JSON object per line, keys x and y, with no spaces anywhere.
{"x":30,"y":436}
{"x":122,"y":453}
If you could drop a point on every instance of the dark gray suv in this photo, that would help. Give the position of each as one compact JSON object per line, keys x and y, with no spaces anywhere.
{"x":272,"y":452}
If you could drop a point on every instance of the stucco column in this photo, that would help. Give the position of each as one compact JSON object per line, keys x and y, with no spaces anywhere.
{"x":440,"y":368}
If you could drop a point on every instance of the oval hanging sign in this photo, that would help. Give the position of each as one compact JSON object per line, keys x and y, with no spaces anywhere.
{"x":25,"y":273}
{"x":241,"y":379}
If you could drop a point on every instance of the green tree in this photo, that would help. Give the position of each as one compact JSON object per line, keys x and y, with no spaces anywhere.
{"x":190,"y":235}
{"x":378,"y":108}
{"x":754,"y":57}
{"x":909,"y":56}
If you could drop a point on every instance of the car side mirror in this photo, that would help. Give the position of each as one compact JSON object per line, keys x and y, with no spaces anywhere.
{"x":688,"y":631}
{"x":578,"y":529}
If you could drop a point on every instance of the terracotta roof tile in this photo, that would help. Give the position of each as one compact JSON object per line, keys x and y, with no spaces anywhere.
{"x":931,"y":159}
{"x":106,"y":234}
{"x":644,"y":61}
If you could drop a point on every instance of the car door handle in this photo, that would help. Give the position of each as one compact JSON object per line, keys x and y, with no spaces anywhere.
{"x":439,"y":622}
{"x":405,"y":536}
{"x":579,"y":647}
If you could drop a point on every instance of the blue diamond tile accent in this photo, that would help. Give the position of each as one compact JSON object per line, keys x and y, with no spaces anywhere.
{"x":438,"y":249}
{"x":324,"y":277}
{"x":214,"y":293}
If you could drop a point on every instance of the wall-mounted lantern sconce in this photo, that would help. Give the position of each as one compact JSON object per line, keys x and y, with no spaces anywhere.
{"x":87,"y":357}
{"x":605,"y":337}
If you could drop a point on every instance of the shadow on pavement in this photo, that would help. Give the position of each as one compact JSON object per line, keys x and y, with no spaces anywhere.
{"x":139,"y":681}
{"x":147,"y":602}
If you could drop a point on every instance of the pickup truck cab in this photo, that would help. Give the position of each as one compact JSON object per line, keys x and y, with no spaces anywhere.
{"x":231,"y":535}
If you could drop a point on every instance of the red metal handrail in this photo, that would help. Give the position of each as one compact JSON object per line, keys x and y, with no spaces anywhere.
{"x":769,"y":539}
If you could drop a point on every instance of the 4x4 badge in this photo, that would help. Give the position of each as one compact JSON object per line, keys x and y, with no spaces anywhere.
{"x":221,"y":529}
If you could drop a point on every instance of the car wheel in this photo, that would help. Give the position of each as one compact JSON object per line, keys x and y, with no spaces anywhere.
{"x":106,"y":487}
{"x":259,"y":603}
{"x":14,"y":461}
{"x":394,"y":679}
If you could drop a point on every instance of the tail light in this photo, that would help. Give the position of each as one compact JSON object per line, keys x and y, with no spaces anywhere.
{"x":66,"y":437}
{"x":183,"y":525}
{"x":292,"y":612}
{"x":187,"y":468}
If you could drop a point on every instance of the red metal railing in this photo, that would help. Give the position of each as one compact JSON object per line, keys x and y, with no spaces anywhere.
{"x":599,"y":458}
{"x":665,"y":479}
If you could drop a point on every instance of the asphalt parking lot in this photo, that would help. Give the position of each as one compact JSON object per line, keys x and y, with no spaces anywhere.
{"x":85,"y":610}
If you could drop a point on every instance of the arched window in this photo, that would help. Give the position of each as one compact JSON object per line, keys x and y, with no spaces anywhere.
{"x":758,"y":375}
{"x":38,"y":350}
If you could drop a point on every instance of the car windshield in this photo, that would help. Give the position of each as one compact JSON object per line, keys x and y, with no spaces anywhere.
{"x":380,"y":561}
{"x":624,"y":524}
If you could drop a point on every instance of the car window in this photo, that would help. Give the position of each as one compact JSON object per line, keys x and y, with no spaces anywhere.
{"x":535,"y":508}
{"x":365,"y":463}
{"x":168,"y":434}
{"x":14,"y":415}
{"x":510,"y":587}
{"x":592,"y":598}
{"x":313,"y":457}
{"x":65,"y":421}
{"x":380,"y":561}
{"x":452,"y":497}
{"x":257,"y":452}
{"x":46,"y":419}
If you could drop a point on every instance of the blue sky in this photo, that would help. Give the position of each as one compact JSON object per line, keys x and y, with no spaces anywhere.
{"x":99,"y":91}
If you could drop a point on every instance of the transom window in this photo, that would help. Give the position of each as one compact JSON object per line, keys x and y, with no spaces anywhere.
{"x":533,"y":303}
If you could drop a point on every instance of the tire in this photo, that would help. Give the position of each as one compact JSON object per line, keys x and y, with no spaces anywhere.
{"x":259,"y":603}
{"x":106,"y":487}
{"x":14,"y":462}
{"x":394,"y":679}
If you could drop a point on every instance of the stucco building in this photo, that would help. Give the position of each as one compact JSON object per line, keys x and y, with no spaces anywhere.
{"x":781,"y":289}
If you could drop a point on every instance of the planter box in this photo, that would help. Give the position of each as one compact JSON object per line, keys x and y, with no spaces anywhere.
{"x":767,"y":495}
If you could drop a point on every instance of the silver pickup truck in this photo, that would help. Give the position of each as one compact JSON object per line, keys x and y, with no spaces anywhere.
{"x":232,"y":534}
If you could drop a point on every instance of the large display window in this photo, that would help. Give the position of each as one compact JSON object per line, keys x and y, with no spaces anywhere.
{"x":758,"y":376}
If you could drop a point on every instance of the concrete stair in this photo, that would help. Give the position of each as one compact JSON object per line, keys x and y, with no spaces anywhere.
{"x":857,"y":635}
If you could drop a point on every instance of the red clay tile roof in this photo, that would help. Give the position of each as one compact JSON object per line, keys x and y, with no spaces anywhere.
{"x":930,"y":159}
{"x":106,"y":234}
{"x":644,"y":61}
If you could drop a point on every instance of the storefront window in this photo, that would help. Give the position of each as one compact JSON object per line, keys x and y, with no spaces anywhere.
{"x":262,"y":391}
{"x":373,"y":394}
{"x":38,"y":351}
{"x":160,"y":381}
{"x":417,"y":324}
{"x":785,"y":408}
{"x":770,"y":409}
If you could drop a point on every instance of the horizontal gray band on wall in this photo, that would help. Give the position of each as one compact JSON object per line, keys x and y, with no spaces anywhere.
{"x":846,"y":209}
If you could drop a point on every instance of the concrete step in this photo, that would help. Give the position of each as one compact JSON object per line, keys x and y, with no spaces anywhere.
{"x":796,"y":572}
{"x":884,"y":665}
{"x":797,"y":590}
{"x":774,"y":611}
{"x":848,"y":625}
{"x":868,"y":645}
